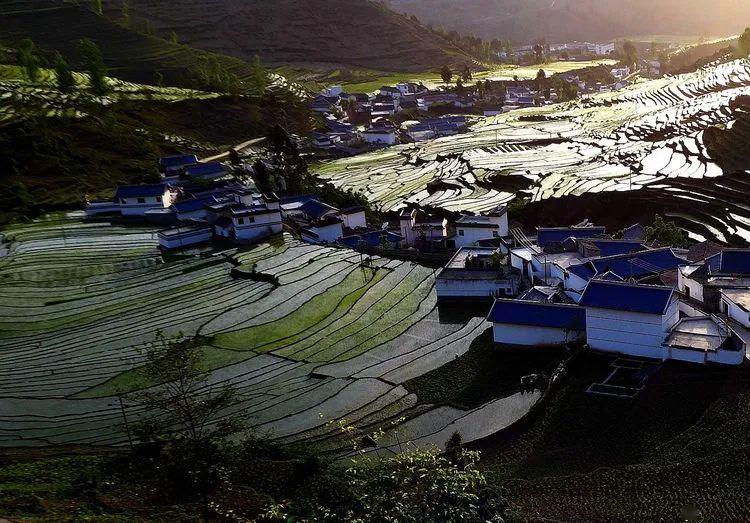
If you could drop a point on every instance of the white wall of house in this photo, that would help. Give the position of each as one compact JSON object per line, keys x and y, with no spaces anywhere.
{"x":728,"y":357}
{"x":631,"y":333}
{"x":529,"y":336}
{"x":138,"y":206}
{"x":326,"y":234}
{"x":462,"y":288}
{"x":468,"y":236}
{"x":521,"y":264}
{"x":734,"y":311}
{"x":354,"y":220}
{"x":689,"y":287}
{"x":257,"y":226}
{"x":575,"y":283}
{"x":185,"y":239}
{"x":388,"y":138}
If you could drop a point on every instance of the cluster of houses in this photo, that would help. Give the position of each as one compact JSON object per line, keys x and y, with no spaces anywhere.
{"x":358,"y":119}
{"x":198,"y":203}
{"x":622,"y":296}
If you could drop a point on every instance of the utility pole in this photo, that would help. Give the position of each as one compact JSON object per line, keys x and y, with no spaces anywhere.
{"x":125,"y":420}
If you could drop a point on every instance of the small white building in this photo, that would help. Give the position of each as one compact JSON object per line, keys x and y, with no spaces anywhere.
{"x":477,"y":274}
{"x":628,"y":318}
{"x":419,"y":227}
{"x":135,"y":200}
{"x":181,"y":237}
{"x":326,"y":230}
{"x":380,"y":136}
{"x":735,"y":303}
{"x":354,"y":217}
{"x":531,"y":323}
{"x":471,"y":229}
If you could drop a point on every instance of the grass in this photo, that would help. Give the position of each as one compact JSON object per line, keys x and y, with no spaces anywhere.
{"x":681,"y":442}
{"x":363,"y":80}
{"x":486,"y":372}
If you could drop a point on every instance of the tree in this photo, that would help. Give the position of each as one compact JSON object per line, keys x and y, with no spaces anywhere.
{"x":96,"y":5}
{"x":259,"y":79}
{"x":541,"y":79}
{"x":125,"y":13}
{"x":63,"y":75}
{"x":446,"y":74}
{"x":459,"y":87}
{"x":188,"y":420}
{"x":631,"y":53}
{"x":93,"y":64}
{"x":466,"y":74}
{"x":29,"y":58}
{"x":666,"y":233}
{"x":743,"y":44}
{"x":410,"y":486}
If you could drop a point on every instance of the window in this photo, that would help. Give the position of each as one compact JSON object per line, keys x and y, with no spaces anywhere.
{"x":250,"y":219}
{"x":158,"y":199}
{"x":494,"y":234}
{"x":724,"y":307}
{"x":141,"y":200}
{"x":241,"y":221}
{"x":687,"y":292}
{"x":460,"y":232}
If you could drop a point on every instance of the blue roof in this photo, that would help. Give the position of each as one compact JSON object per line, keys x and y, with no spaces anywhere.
{"x":205,"y":169}
{"x":371,"y":238}
{"x":140,"y":191}
{"x":558,"y":235}
{"x":302,"y":198}
{"x":534,"y":314}
{"x":315,"y":209}
{"x":639,"y":264}
{"x":583,"y":270}
{"x":177,"y":160}
{"x":730,"y":261}
{"x":615,"y":247}
{"x":647,"y":299}
{"x":193,"y":204}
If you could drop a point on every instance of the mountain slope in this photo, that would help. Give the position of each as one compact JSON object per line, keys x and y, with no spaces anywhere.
{"x":340,"y":32}
{"x":58,"y":26}
{"x":563,"y":20}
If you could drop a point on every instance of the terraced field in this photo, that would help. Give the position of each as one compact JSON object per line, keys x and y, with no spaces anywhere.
{"x":19,"y":97}
{"x":334,"y":340}
{"x":647,"y":139}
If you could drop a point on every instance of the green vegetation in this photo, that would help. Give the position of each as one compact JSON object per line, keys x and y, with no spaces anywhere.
{"x":743,"y":44}
{"x":666,"y":233}
{"x":486,"y":372}
{"x":93,"y":64}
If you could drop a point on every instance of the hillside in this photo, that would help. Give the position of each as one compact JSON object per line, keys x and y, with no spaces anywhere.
{"x":342,"y":32}
{"x":523,"y":21}
{"x":130,"y":55}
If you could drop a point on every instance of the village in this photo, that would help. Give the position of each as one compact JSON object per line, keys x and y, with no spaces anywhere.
{"x":408,"y":112}
{"x":579,"y":285}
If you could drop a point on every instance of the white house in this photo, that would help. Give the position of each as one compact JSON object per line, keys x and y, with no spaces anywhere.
{"x":135,"y":200}
{"x":180,"y":237}
{"x":530,"y":323}
{"x":380,"y":136}
{"x":477,"y":274}
{"x":706,"y":339}
{"x":354,"y":217}
{"x":728,"y":269}
{"x":629,"y":319}
{"x":417,"y":226}
{"x":326,"y":230}
{"x":735,"y":303}
{"x":471,"y":229}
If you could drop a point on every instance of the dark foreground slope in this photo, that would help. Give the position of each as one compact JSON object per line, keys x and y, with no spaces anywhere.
{"x":348,"y":32}
{"x":564,"y":20}
{"x":58,"y":26}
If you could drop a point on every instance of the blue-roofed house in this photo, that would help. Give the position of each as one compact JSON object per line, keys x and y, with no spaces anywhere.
{"x":531,"y":323}
{"x":703,"y":282}
{"x":548,"y":236}
{"x":136,"y":200}
{"x":639,"y":266}
{"x":628,"y":318}
{"x":206,"y":171}
{"x":370,"y":238}
{"x":175,"y":163}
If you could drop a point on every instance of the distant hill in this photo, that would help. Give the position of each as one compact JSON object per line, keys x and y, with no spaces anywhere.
{"x":57,"y":26}
{"x":332,"y":32}
{"x":523,"y":21}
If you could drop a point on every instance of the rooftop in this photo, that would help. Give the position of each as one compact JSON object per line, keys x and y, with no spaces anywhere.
{"x":739,"y":296}
{"x":646,"y":299}
{"x":140,"y":191}
{"x":534,"y":314}
{"x":547,"y":235}
{"x":702,"y":333}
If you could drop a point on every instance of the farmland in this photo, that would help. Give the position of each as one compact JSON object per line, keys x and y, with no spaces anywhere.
{"x":336,"y":339}
{"x":648,"y":145}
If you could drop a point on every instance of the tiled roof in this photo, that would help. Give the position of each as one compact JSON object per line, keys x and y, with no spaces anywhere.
{"x":177,"y":160}
{"x":730,"y":261}
{"x":315,"y":208}
{"x":140,"y":191}
{"x":647,"y":299}
{"x":615,"y":247}
{"x":534,"y":314}
{"x":639,"y":264}
{"x":205,"y":169}
{"x":546,"y":236}
{"x":194,"y":204}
